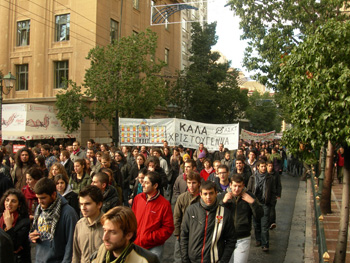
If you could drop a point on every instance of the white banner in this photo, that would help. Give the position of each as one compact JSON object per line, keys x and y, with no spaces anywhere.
{"x":257,"y":137}
{"x":152,"y":132}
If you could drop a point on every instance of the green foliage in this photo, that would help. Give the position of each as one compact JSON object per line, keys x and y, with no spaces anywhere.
{"x":316,"y":79}
{"x":122,"y":78}
{"x":275,"y":27}
{"x":205,"y":91}
{"x":71,"y":107}
{"x":263,"y":113}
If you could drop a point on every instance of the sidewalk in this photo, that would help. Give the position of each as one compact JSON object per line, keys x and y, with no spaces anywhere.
{"x":330,"y":222}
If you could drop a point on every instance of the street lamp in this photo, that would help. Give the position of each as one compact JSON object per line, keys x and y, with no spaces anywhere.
{"x":9,"y":81}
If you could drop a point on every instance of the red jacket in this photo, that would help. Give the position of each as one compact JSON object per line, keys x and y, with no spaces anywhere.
{"x":154,"y":220}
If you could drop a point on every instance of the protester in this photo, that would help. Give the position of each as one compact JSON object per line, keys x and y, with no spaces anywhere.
{"x":88,"y":231}
{"x":182,"y":202}
{"x":53,"y":225}
{"x":120,"y":227}
{"x":261,"y":184}
{"x":33,"y":175}
{"x":24,"y":160}
{"x":15,"y":221}
{"x":79,"y":178}
{"x":154,"y":216}
{"x":243,"y":206}
{"x":65,"y":190}
{"x":207,"y":230}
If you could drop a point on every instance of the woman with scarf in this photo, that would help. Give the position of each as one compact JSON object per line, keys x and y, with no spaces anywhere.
{"x":15,"y":222}
{"x":80,"y":178}
{"x":65,"y":190}
{"x":208,"y":169}
{"x":32,"y":176}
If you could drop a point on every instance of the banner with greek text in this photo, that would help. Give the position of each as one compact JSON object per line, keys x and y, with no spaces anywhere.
{"x":257,"y":137}
{"x":153,"y":132}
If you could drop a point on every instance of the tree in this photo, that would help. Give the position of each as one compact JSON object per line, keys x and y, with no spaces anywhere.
{"x":205,"y":90}
{"x":262,"y":108}
{"x":273,"y":28}
{"x":316,"y":79}
{"x":122,"y":79}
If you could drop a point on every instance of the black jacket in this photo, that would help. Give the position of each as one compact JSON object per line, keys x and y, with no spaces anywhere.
{"x":247,"y":172}
{"x":110,"y":199}
{"x":19,"y":236}
{"x":197,"y":231}
{"x":270,"y":190}
{"x":242,"y":213}
{"x":69,"y":167}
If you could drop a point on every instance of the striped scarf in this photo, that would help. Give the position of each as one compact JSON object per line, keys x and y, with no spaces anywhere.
{"x":49,"y":217}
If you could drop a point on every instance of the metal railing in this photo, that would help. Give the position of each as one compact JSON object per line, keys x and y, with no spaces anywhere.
{"x":320,"y":235}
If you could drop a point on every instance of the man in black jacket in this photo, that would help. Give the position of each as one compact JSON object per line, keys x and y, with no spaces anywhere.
{"x":207,"y":230}
{"x":243,"y":205}
{"x":262,"y":185}
{"x":110,"y":194}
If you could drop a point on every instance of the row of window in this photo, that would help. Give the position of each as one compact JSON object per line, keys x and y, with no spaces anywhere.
{"x":62,"y":30}
{"x":61,"y":70}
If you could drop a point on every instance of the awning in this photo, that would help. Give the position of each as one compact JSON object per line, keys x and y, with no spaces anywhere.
{"x":29,"y":121}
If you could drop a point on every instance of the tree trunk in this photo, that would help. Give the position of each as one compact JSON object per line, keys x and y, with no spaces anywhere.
{"x":340,"y":252}
{"x":325,"y":203}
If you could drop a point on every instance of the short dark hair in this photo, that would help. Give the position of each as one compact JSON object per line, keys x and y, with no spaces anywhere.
{"x":240,"y":158}
{"x":93,"y":192}
{"x":143,"y":171}
{"x":207,"y":185}
{"x":46,"y":147}
{"x":124,"y":217}
{"x":102,"y":177}
{"x":223,"y":166}
{"x":152,"y":159}
{"x":154,"y":177}
{"x":237,"y":178}
{"x":260,"y":162}
{"x":269,"y":162}
{"x":192,"y":162}
{"x":208,"y":160}
{"x":35,"y":173}
{"x":45,"y":186}
{"x":192,"y":175}
{"x":157,"y":150}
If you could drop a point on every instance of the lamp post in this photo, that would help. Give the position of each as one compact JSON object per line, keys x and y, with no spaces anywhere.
{"x":9,"y":82}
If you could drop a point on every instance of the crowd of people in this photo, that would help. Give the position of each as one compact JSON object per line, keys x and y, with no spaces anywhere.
{"x":102,"y":203}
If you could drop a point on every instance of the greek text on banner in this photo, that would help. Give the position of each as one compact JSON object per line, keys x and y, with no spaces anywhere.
{"x":152,"y":132}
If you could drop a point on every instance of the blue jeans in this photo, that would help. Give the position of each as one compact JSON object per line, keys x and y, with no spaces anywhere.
{"x":158,"y":251}
{"x":261,"y":227}
{"x":241,"y":252}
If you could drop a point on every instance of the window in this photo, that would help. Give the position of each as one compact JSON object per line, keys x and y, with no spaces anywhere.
{"x":22,"y":77}
{"x":166,"y":58}
{"x":166,"y":20}
{"x":136,"y":4}
{"x":62,"y":27}
{"x":114,"y":30}
{"x":61,"y":73}
{"x":23,"y":28}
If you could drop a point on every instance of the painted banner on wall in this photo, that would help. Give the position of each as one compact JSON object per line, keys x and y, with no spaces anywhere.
{"x":252,"y":136}
{"x":153,"y":132}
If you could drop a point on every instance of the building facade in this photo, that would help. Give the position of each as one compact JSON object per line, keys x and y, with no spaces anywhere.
{"x":44,"y":41}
